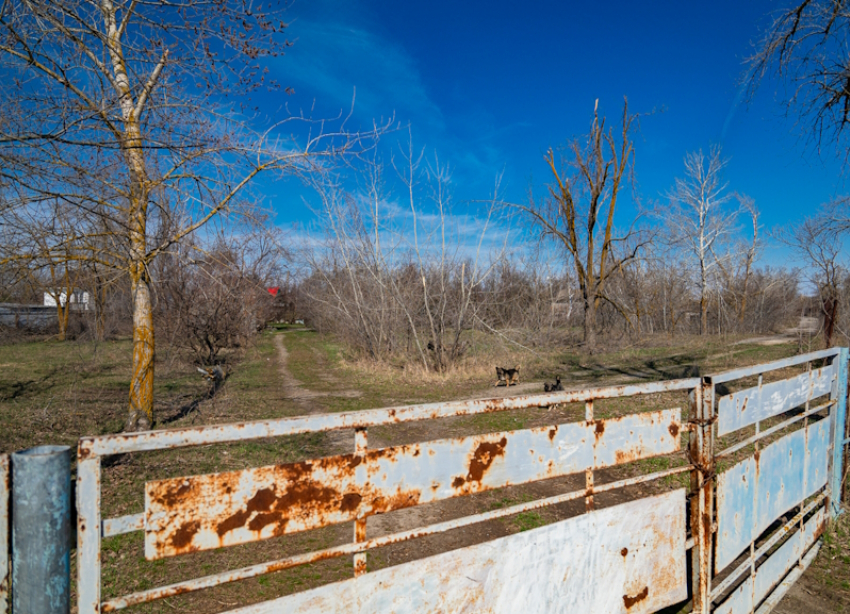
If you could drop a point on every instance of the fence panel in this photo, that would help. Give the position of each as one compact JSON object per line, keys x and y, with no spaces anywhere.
{"x":772,"y":502}
{"x":758,"y":490}
{"x":210,"y":511}
{"x":629,"y":558}
{"x":758,"y":551}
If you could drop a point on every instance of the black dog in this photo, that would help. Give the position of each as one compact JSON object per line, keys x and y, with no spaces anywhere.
{"x":547,"y":387}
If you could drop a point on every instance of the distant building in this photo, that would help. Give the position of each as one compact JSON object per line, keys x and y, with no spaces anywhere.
{"x":79,"y":299}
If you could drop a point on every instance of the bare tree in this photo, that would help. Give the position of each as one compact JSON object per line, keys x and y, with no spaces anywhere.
{"x":395,"y":279}
{"x":806,"y":45}
{"x":579,"y":211}
{"x":133,"y":127}
{"x":818,"y":241}
{"x":698,"y":219}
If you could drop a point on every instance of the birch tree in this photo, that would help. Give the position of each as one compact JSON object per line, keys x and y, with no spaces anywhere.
{"x":126,"y":112}
{"x":698,"y":219}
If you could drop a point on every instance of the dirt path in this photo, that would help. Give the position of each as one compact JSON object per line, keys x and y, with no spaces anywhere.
{"x":338,"y":442}
{"x":297,"y":392}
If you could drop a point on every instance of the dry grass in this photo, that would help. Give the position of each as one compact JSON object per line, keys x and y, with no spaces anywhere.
{"x":54,"y":393}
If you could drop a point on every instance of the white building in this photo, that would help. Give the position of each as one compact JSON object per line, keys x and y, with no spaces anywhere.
{"x":79,"y":298}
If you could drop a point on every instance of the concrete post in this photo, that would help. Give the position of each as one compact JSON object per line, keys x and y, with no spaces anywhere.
{"x":41,"y":530}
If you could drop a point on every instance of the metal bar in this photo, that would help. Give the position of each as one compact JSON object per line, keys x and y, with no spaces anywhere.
{"x":740,"y":409}
{"x":588,"y":473}
{"x":111,"y":527}
{"x":352,"y":548}
{"x":766,"y":433}
{"x":360,"y":445}
{"x":41,"y":530}
{"x":726,"y":376}
{"x":765,"y":547}
{"x":203,"y":512}
{"x":177,"y":438}
{"x":702,"y":454}
{"x":5,"y":576}
{"x":839,"y":393}
{"x":758,"y":585}
{"x":772,"y":601}
{"x":88,"y":535}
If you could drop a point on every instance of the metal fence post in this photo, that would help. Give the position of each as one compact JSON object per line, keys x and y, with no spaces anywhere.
{"x":839,"y":394}
{"x":41,"y":530}
{"x":701,"y":451}
{"x":5,"y":577}
{"x":88,"y":532}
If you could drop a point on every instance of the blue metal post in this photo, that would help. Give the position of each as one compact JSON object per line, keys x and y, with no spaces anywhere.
{"x":840,"y":395}
{"x":41,"y":530}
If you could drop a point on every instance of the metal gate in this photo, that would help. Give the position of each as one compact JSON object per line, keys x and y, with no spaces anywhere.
{"x":763,"y":451}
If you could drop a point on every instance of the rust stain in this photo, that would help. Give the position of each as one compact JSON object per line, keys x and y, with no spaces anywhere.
{"x":674,"y":429}
{"x":624,"y":551}
{"x":627,"y":456}
{"x":400,"y":500}
{"x":600,"y":428}
{"x":483,"y":457}
{"x":182,"y":538}
{"x":276,"y":509}
{"x":169,"y":496}
{"x":631,"y":601}
{"x":350,"y":502}
{"x":552,"y":432}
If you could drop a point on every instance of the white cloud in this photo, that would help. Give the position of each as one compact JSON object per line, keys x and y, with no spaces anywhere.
{"x":330,"y":60}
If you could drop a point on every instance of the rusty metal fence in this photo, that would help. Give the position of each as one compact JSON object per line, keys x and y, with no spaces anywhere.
{"x":762,"y":446}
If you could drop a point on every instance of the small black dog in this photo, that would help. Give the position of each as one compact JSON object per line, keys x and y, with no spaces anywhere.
{"x":547,"y":387}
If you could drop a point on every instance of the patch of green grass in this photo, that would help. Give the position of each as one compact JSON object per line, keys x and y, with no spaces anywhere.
{"x":509,"y":501}
{"x":525,"y":521}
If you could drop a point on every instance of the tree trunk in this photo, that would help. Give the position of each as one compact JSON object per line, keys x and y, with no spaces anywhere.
{"x":703,"y":312}
{"x":830,"y":315}
{"x":141,"y":384}
{"x":590,"y":323}
{"x":61,"y":320}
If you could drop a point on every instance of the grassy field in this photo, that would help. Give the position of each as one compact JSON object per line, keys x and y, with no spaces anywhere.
{"x":53,"y":393}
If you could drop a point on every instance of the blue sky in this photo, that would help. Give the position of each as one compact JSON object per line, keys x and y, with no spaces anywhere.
{"x":491,"y":86}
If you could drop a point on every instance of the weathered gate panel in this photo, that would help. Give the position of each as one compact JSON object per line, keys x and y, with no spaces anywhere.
{"x":772,"y":570}
{"x":735,"y":411}
{"x":759,"y":489}
{"x":203,"y":512}
{"x":629,"y":558}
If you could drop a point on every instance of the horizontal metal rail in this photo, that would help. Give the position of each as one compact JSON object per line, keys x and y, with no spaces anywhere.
{"x":727,"y":376}
{"x":180,"y":438}
{"x":729,"y":580}
{"x":779,"y":592}
{"x":122,"y":524}
{"x":773,"y":429}
{"x":355,"y":547}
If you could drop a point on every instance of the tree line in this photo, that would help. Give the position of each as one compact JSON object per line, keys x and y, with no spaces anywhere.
{"x":128,"y":164}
